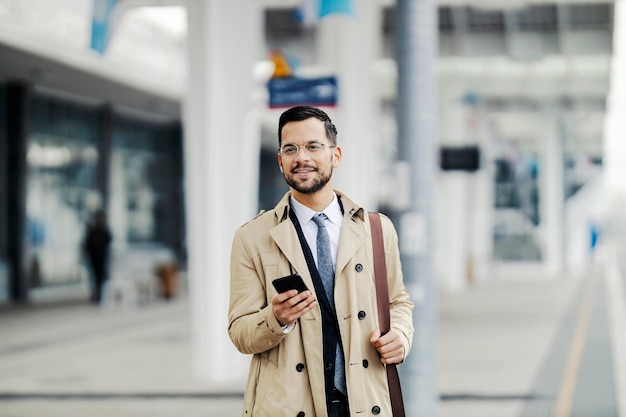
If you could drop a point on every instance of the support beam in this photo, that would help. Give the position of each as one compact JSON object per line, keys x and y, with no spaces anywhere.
{"x":417,"y":122}
{"x":222,"y":147}
{"x":18,"y":114}
{"x":350,"y":46}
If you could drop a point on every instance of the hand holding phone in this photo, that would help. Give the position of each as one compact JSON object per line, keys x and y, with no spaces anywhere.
{"x":289,"y":309}
{"x":290,"y":282}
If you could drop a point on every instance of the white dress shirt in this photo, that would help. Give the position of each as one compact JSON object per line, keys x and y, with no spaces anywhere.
{"x":309,"y":228}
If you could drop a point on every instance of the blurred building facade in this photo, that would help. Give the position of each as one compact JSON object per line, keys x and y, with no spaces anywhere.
{"x":64,"y":159}
{"x":522,"y":90}
{"x":77,"y":138}
{"x":509,"y":76}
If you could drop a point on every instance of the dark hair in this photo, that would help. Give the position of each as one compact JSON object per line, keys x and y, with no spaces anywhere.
{"x":299,"y":113}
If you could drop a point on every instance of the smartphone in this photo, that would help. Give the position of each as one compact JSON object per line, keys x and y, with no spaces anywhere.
{"x":290,"y":282}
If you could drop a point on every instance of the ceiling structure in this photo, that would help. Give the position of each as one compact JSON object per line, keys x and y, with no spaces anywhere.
{"x":543,"y":59}
{"x":523,"y":59}
{"x":47,"y":42}
{"x":518,"y":56}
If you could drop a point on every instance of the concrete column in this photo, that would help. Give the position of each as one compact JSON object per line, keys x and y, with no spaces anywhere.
{"x":349,"y":46}
{"x":225,"y":39}
{"x":552,"y":198}
{"x":481,"y":228}
{"x":453,"y":231}
{"x":18,"y":105}
{"x":117,"y":203}
{"x":454,"y":208}
{"x":417,"y":45}
{"x":614,"y":157}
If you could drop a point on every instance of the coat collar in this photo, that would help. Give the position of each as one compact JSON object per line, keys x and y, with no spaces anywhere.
{"x":351,"y":209}
{"x":353,"y":233}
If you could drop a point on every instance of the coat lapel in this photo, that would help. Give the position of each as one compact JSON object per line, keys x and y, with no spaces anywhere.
{"x":353,"y":233}
{"x":286,"y":238}
{"x":352,"y":237}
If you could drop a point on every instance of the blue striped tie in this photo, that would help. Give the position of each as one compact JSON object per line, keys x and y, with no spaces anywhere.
{"x":324,"y":259}
{"x":327,"y":274}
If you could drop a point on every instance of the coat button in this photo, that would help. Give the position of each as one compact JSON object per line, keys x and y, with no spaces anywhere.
{"x":301,"y":414}
{"x":362,"y":315}
{"x":376,"y":410}
{"x":300,"y":367}
{"x":358,"y":267}
{"x":329,"y":366}
{"x":365,"y":363}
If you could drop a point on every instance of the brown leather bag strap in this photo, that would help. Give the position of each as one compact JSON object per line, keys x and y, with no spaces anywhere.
{"x":380,"y":270}
{"x":382,"y":301}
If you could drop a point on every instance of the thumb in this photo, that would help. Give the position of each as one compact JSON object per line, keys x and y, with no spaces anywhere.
{"x":375,"y":336}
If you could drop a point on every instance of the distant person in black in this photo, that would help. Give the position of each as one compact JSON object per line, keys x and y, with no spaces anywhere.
{"x":96,"y":247}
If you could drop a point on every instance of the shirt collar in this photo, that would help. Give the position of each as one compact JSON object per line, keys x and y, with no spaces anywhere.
{"x":304,"y":213}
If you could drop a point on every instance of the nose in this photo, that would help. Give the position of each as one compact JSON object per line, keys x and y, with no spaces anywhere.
{"x":302,"y":154}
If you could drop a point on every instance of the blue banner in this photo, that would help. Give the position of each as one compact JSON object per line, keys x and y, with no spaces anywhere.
{"x":293,"y":91}
{"x":310,"y":11}
{"x":101,"y":24}
{"x":336,"y":6}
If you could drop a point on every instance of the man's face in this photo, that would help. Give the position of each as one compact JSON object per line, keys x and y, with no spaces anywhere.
{"x":308,"y":171}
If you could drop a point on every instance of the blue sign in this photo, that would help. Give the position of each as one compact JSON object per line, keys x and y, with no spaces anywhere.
{"x":101,"y":24}
{"x":328,"y":7}
{"x":294,"y":91}
{"x":310,"y":11}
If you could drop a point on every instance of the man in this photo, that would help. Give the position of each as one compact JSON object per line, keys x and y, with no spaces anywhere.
{"x":318,"y":352}
{"x":96,"y":246}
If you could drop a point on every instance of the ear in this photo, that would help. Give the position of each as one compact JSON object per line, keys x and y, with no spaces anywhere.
{"x":280,"y":162}
{"x":336,"y":157}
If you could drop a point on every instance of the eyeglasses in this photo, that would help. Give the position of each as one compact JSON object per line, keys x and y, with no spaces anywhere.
{"x":290,"y":150}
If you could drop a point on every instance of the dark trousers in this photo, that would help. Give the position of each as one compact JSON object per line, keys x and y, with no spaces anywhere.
{"x":338,"y":405}
{"x":98,"y":279}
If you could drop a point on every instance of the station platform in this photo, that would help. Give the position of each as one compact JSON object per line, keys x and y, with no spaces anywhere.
{"x":523,"y":347}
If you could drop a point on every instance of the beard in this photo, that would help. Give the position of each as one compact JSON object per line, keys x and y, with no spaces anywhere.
{"x":311,"y":186}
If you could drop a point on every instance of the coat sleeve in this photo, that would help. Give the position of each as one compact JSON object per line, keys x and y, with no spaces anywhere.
{"x":400,"y":304}
{"x":252,"y":326}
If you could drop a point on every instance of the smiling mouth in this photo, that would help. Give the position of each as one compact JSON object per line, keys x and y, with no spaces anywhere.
{"x":303,"y":171}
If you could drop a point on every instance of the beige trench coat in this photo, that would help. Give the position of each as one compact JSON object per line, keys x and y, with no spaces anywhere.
{"x":286,"y":374}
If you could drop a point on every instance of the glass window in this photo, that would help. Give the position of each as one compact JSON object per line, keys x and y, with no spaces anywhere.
{"x":516,"y":215}
{"x":145,"y":204}
{"x":62,"y":158}
{"x":272,"y":185}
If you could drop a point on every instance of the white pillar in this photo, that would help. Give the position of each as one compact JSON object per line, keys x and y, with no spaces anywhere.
{"x":455,"y":199}
{"x":483,"y":190}
{"x":552,"y":199}
{"x":453,"y":218}
{"x":349,"y":46}
{"x":225,"y":39}
{"x":118,"y":216}
{"x":481,"y":242}
{"x":614,"y":158}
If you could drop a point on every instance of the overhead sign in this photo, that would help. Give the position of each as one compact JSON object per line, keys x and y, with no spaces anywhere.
{"x":102,"y":24}
{"x":310,"y":11}
{"x":294,"y":91}
{"x":328,"y":7}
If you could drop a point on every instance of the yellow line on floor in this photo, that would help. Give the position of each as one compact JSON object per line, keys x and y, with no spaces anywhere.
{"x":565,"y":399}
